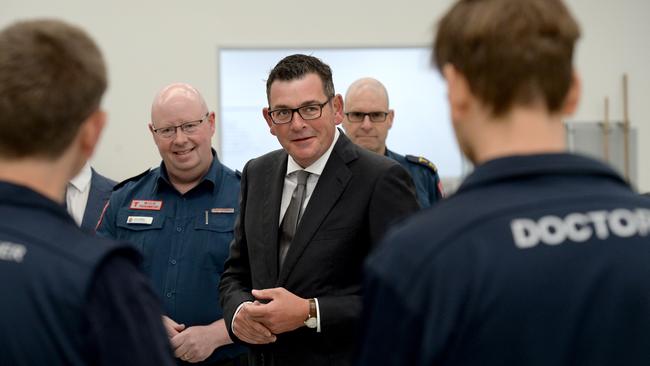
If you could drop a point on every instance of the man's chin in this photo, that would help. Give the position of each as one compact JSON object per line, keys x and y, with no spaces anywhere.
{"x":371,"y":147}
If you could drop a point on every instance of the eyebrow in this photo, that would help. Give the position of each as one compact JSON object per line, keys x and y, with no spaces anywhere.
{"x":303,"y":104}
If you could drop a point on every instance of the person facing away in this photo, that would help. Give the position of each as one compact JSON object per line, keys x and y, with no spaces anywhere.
{"x":86,"y":196}
{"x":309,"y":215}
{"x":541,"y":257}
{"x":69,"y":298}
{"x":181,"y":217}
{"x":366,"y":122}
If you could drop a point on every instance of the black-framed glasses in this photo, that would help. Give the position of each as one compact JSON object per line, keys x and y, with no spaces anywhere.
{"x":308,"y":112}
{"x":356,"y":117}
{"x":188,"y":128}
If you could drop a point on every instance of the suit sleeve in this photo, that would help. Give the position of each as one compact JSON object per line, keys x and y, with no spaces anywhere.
{"x":393,"y":199}
{"x":235,"y":286}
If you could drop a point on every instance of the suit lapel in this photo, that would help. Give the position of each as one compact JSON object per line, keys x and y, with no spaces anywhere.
{"x":94,"y":205}
{"x":274,"y":179}
{"x":331,"y":185}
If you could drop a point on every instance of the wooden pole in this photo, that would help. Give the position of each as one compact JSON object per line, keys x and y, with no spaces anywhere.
{"x":605,"y":130}
{"x":626,"y":130}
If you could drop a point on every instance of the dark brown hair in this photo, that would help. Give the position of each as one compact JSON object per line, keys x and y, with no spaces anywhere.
{"x":296,"y":67}
{"x":52,"y":77}
{"x":512,"y":52}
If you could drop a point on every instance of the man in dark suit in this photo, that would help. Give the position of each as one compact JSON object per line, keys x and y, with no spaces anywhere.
{"x":294,"y":293}
{"x":86,"y":196}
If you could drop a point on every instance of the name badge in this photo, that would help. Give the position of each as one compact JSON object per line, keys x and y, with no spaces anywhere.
{"x":142,"y":220}
{"x":146,"y":205}
{"x":222,"y":210}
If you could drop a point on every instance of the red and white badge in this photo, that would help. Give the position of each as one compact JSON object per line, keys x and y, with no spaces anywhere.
{"x":146,"y":205}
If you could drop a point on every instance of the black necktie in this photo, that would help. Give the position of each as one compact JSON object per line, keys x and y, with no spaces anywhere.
{"x":292,"y":216}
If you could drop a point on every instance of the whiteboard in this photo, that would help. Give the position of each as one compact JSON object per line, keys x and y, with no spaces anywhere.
{"x":417,"y":94}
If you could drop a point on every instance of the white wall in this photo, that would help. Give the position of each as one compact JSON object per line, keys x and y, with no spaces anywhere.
{"x":151,"y":43}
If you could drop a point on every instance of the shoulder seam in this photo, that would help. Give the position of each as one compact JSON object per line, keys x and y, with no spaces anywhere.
{"x":132,"y":179}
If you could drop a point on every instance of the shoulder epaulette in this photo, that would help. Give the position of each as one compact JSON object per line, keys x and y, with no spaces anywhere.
{"x":132,"y":179}
{"x":422,"y":161}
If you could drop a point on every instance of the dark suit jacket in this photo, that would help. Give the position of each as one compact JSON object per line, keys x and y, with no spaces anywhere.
{"x":100,"y":191}
{"x":358,"y":196}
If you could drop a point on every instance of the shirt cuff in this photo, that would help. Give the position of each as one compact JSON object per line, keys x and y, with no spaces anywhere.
{"x":317,"y":316}
{"x":232,"y":323}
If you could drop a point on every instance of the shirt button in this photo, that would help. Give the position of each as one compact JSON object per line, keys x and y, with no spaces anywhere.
{"x":179,"y":229}
{"x":173,"y":261}
{"x":169,"y":294}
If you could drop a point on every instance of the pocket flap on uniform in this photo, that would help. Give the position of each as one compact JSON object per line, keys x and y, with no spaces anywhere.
{"x":139,"y":220}
{"x":219,"y":222}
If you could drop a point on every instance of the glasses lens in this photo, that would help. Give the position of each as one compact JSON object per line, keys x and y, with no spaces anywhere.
{"x":355,"y":116}
{"x":281,"y":115}
{"x":167,"y":131}
{"x":190,"y":127}
{"x":377,"y":116}
{"x":310,"y":111}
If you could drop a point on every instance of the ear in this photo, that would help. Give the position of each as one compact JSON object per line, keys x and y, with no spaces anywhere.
{"x":458,"y":92}
{"x":90,"y":132}
{"x":573,"y":95}
{"x":269,"y":121}
{"x":211,"y":121}
{"x":337,"y":104}
{"x":390,"y":117}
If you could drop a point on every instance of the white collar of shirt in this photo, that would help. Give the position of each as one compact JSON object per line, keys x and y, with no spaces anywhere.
{"x":316,"y":169}
{"x":82,"y":181}
{"x":77,"y":194}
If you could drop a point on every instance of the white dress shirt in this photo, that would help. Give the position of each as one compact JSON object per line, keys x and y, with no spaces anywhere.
{"x":76,"y":196}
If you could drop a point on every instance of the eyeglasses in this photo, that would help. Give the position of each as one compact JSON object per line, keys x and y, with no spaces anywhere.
{"x":308,"y":112}
{"x":356,"y":117}
{"x":188,"y":128}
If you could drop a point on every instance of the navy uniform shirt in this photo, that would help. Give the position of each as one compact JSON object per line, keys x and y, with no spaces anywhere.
{"x":425,"y":176}
{"x":184,"y":239}
{"x":69,"y":298}
{"x":536,"y":260}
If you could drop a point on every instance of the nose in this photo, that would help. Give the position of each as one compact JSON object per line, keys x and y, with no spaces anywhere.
{"x":297,"y":122}
{"x":366,"y":124}
{"x":180,"y":137}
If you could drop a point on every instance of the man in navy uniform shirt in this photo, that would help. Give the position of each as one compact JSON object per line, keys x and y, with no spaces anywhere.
{"x":68,"y":298}
{"x":541,"y":257}
{"x":181,"y":217}
{"x":367,"y":121}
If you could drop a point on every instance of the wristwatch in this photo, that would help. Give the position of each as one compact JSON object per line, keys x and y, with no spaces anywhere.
{"x":312,"y":318}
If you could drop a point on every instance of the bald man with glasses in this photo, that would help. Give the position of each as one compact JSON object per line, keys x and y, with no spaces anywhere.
{"x":181,"y":217}
{"x":366,"y":122}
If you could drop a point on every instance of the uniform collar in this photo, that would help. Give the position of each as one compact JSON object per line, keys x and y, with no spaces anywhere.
{"x":390,"y":154}
{"x":212,"y":176}
{"x":520,"y":166}
{"x":23,"y":196}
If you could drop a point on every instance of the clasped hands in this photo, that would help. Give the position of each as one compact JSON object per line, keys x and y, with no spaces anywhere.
{"x":196,"y":343}
{"x":273,"y":312}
